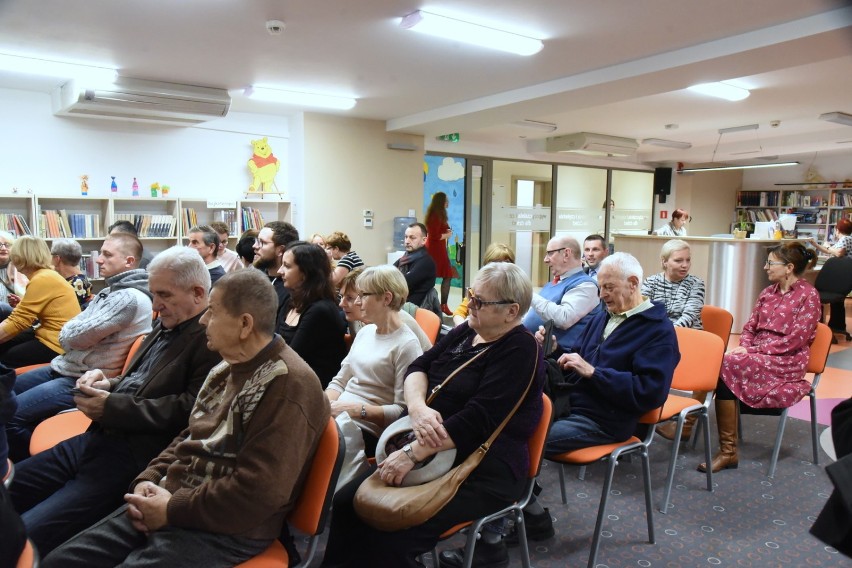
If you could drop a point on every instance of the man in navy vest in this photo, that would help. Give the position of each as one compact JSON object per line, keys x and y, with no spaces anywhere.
{"x":570,"y":299}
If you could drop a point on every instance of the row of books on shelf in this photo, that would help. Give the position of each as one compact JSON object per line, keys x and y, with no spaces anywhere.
{"x":89,"y":265}
{"x":838,"y":215}
{"x":252,"y":219}
{"x":754,"y":215}
{"x":57,"y":224}
{"x":15,"y":224}
{"x":190,"y":219}
{"x":148,"y":226}
{"x":841,"y":199}
{"x":757,"y":198}
{"x":799,"y":199}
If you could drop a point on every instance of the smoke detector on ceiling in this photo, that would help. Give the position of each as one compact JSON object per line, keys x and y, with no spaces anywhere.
{"x":275,"y":27}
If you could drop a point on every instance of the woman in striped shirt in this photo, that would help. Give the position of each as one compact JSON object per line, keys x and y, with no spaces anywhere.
{"x":681,"y":292}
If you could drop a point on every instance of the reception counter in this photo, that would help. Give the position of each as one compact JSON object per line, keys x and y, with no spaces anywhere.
{"x":732,"y":269}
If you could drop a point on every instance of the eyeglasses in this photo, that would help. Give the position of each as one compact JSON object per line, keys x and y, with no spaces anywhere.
{"x":260,"y":242}
{"x":363,"y":295}
{"x":477,"y":303}
{"x":775,"y":263}
{"x":5,"y":246}
{"x":554,"y":251}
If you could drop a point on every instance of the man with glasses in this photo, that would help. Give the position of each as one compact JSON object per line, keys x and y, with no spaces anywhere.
{"x":269,"y":247}
{"x":570,"y":298}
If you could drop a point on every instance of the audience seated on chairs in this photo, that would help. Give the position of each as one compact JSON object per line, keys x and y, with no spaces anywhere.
{"x":834,"y":283}
{"x":682,"y":294}
{"x":129,"y":228}
{"x":339,"y":249}
{"x":65,"y":489}
{"x":622,"y":367}
{"x":205,"y":240}
{"x":269,"y":247}
{"x":229,"y":259}
{"x":355,"y":315}
{"x":418,"y":267}
{"x":49,"y":299}
{"x":98,"y":338}
{"x":219,"y":493}
{"x":767,"y":370}
{"x":12,"y":282}
{"x":842,"y":247}
{"x":570,"y":299}
{"x":66,"y":255}
{"x":368,"y":387}
{"x":8,"y":405}
{"x":496,"y":252}
{"x":312,"y":325}
{"x":245,"y":247}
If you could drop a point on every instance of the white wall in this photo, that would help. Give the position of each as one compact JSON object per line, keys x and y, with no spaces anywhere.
{"x":348,"y":168}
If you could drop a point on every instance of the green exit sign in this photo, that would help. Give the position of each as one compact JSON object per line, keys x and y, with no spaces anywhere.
{"x":454,"y":137}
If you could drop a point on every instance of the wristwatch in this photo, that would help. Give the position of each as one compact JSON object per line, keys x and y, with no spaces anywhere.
{"x":407,"y":449}
{"x":363,"y":411}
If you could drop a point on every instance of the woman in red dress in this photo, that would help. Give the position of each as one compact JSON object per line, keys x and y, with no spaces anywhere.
{"x":436,"y":244}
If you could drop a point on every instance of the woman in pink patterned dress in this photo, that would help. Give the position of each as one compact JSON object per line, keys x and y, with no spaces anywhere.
{"x":767,"y":370}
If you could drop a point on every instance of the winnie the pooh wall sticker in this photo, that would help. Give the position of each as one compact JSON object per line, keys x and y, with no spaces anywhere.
{"x":263,"y":166}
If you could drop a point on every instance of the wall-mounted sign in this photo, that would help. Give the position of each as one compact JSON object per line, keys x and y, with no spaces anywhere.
{"x":454,"y":137}
{"x":213,"y":204}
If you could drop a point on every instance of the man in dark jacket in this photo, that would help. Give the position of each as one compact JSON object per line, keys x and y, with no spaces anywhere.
{"x":416,"y":264}
{"x":63,"y":490}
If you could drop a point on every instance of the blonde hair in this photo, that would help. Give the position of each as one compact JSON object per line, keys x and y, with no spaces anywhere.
{"x":30,"y":253}
{"x":498,"y":252}
{"x":384,"y":278}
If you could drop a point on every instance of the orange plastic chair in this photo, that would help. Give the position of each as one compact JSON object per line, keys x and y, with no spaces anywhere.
{"x":701,"y":355}
{"x":56,"y":429}
{"x":717,"y":321}
{"x":134,"y":348}
{"x":816,"y":364}
{"x":429,"y":323}
{"x":312,"y":508}
{"x":610,"y":453}
{"x":27,"y":368}
{"x":536,"y":447}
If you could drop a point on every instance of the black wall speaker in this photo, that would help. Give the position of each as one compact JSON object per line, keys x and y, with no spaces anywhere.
{"x":662,"y":181}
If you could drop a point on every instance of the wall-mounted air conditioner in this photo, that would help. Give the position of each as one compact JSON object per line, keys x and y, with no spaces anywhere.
{"x":143,"y":101}
{"x":592,"y":144}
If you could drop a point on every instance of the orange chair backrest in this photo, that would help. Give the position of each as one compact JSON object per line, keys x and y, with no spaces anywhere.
{"x":819,"y":349}
{"x":134,"y":347}
{"x":314,"y":502}
{"x":701,"y":355}
{"x":57,"y":429}
{"x":539,"y":436}
{"x":717,"y":321}
{"x":429,"y":323}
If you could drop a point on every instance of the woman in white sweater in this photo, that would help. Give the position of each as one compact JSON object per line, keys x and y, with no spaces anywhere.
{"x":369,"y":385}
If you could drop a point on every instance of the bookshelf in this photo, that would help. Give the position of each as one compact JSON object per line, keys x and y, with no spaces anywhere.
{"x":817,"y":207}
{"x":16,"y":215}
{"x":253,"y":213}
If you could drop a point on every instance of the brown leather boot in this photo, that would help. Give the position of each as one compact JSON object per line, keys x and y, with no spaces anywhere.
{"x":667,"y":431}
{"x":726,"y":421}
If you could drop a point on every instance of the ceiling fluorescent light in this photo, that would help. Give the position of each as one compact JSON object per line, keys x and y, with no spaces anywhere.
{"x":467,"y":32}
{"x":667,"y":143}
{"x":748,"y":167}
{"x":837,"y":117}
{"x":299,"y":98}
{"x":739,"y":128}
{"x":92,"y":76}
{"x":535,"y":125}
{"x":721,"y":90}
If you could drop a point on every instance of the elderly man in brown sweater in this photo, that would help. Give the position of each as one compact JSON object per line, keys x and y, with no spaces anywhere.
{"x":220,"y":492}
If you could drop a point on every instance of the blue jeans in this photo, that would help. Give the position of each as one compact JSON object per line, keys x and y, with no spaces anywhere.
{"x":61,"y":491}
{"x":42,"y":393}
{"x":573,"y":432}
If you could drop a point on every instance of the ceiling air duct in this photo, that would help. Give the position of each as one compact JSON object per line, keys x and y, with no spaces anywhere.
{"x":592,"y":144}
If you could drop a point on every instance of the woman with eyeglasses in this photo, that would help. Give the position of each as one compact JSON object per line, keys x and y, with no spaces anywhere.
{"x":368,"y":386}
{"x":496,"y":359}
{"x":12,"y":282}
{"x":767,"y":369}
{"x":49,"y":300}
{"x":312,"y":326}
{"x":496,"y":252}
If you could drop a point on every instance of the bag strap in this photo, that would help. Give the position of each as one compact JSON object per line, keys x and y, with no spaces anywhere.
{"x":484,"y":447}
{"x":438,"y":388}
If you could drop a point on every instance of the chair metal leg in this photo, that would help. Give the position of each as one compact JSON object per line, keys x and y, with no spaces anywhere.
{"x":672,"y":460}
{"x":596,"y":539}
{"x":705,"y":420}
{"x":470,"y":547}
{"x":522,"y":538}
{"x":814,"y":440}
{"x":649,"y":508}
{"x":777,"y":449}
{"x":581,"y":473}
{"x":562,"y":484}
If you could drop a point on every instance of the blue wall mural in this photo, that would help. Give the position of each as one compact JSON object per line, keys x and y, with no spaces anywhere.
{"x":445,"y":174}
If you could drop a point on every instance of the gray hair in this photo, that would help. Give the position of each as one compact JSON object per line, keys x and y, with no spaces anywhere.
{"x":384,"y":278}
{"x":185,"y":266}
{"x":249,"y":292}
{"x":509,"y":282}
{"x":672,"y":246}
{"x":8,"y":237}
{"x":209,"y":237}
{"x":69,"y":251}
{"x":625,"y":264}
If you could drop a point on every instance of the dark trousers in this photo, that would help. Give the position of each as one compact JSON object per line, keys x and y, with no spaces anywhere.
{"x":837,"y":316}
{"x":24,"y":349}
{"x":66,"y":489}
{"x":354,"y":544}
{"x":113,"y":542}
